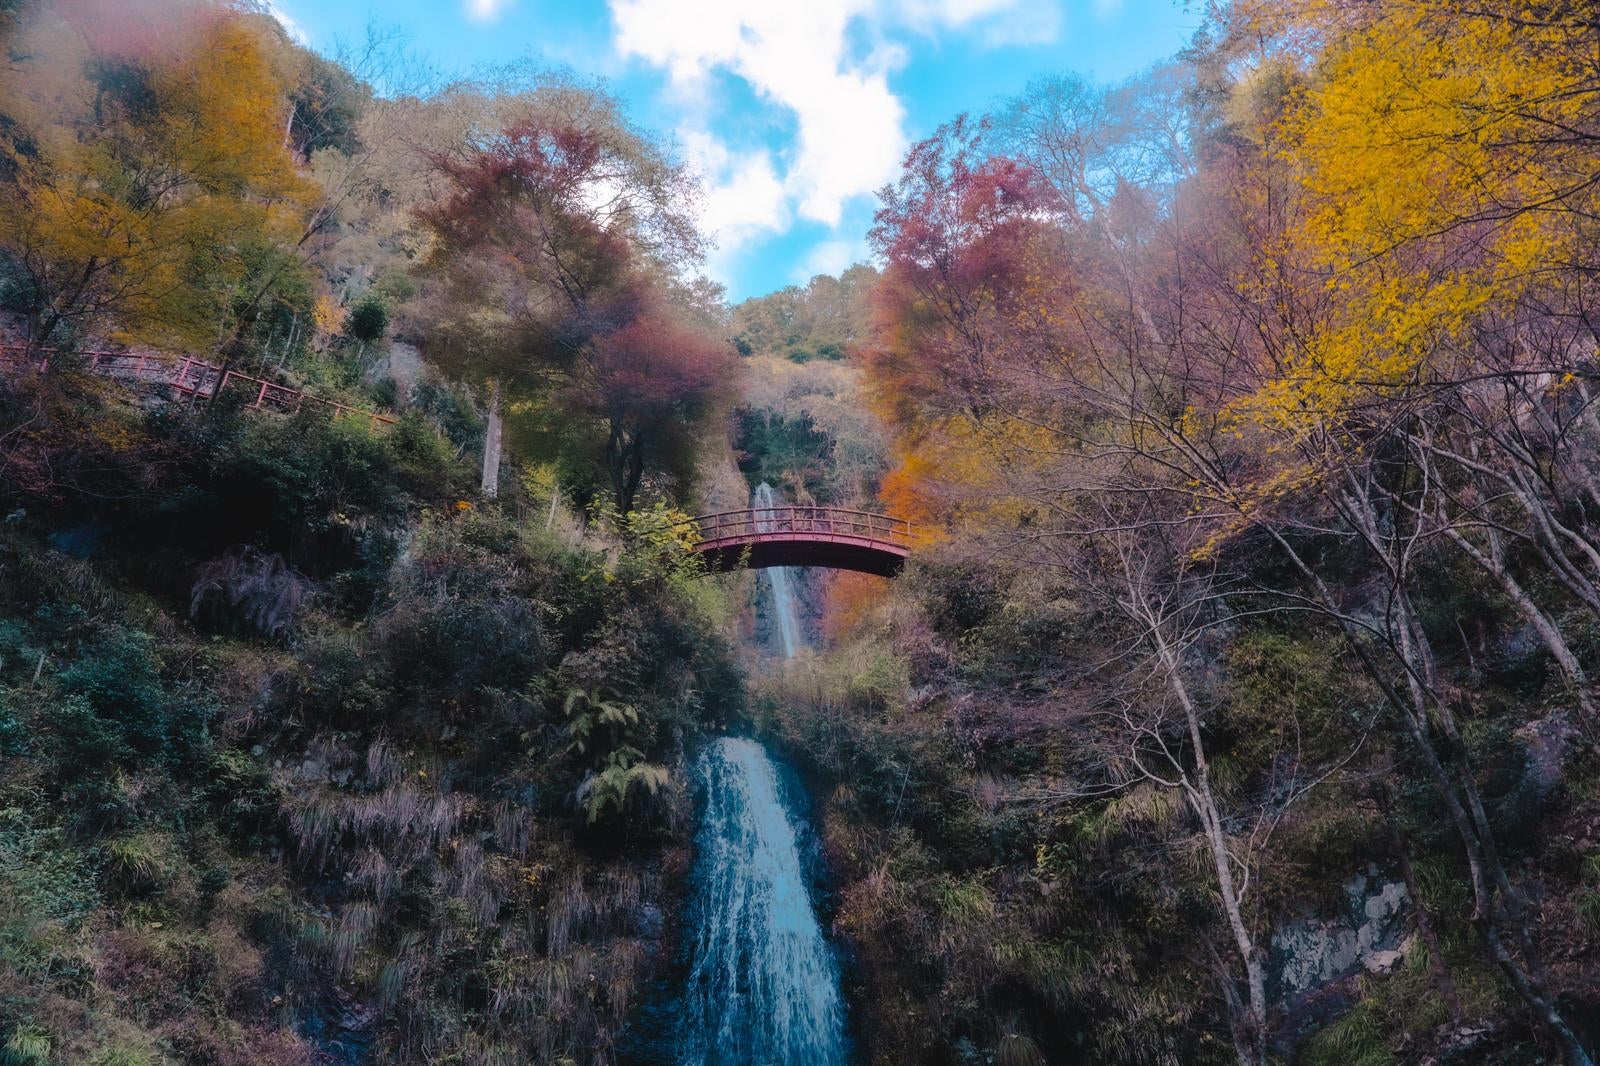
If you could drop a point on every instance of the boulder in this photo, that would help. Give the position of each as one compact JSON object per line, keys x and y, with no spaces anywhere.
{"x":1548,"y":742}
{"x":1368,"y":933}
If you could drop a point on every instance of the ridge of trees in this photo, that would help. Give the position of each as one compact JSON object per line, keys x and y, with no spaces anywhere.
{"x":1313,"y":297}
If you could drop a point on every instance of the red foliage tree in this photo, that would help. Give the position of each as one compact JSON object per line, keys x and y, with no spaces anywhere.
{"x":972,"y":263}
{"x":547,"y":275}
{"x":653,"y":381}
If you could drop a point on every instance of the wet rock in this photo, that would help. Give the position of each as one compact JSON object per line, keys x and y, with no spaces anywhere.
{"x":400,"y":361}
{"x":1386,"y":962}
{"x":1369,"y":933}
{"x":1467,"y":1043}
{"x":80,"y":540}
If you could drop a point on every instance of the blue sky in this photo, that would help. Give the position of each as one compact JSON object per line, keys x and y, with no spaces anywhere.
{"x":793,"y":111}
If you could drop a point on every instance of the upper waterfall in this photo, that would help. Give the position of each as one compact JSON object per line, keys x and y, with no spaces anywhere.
{"x":779,"y":580}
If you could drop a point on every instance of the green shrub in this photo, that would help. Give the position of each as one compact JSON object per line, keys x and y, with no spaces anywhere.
{"x":451,"y":409}
{"x":242,"y":790}
{"x":961,"y":595}
{"x":85,"y":740}
{"x":118,"y":675}
{"x":423,"y":458}
{"x":334,"y":682}
{"x":386,"y":392}
{"x":14,"y":733}
{"x":42,"y":873}
{"x":369,"y":318}
{"x":18,"y":655}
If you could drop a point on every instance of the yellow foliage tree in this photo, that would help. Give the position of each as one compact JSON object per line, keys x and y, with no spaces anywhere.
{"x":1444,"y":157}
{"x":146,"y":177}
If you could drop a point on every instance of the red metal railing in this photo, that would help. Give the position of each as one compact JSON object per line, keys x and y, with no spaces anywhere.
{"x":816,"y":522}
{"x":187,"y":374}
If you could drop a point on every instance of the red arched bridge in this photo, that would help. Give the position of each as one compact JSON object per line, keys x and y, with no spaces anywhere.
{"x":798,"y":535}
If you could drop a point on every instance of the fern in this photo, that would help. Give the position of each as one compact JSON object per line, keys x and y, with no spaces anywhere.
{"x":586,"y":715}
{"x":625,"y":778}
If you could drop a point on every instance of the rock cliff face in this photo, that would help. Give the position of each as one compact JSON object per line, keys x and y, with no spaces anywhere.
{"x":1370,"y":933}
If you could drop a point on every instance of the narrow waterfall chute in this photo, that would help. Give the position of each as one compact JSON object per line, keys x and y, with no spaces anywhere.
{"x":778,"y":578}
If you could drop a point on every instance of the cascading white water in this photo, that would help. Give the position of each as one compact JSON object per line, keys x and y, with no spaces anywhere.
{"x":763,"y":986}
{"x":778,"y":579}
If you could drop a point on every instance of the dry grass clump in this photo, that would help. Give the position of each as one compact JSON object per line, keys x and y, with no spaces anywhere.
{"x":404,"y":819}
{"x":248,"y":590}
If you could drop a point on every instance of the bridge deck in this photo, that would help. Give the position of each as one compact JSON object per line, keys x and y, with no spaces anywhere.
{"x":798,"y":535}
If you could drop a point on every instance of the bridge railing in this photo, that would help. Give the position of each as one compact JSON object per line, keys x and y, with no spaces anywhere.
{"x":751,"y":522}
{"x":190,"y":375}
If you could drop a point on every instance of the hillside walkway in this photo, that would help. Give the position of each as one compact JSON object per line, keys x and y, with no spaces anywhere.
{"x":185,"y":375}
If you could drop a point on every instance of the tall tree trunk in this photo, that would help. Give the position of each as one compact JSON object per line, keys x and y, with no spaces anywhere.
{"x":625,"y":463}
{"x":1545,"y":626}
{"x":1250,"y":1036}
{"x":490,"y":485}
{"x":635,"y":473}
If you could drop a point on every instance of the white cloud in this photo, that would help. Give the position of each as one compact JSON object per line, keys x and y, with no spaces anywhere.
{"x":290,"y":26}
{"x":1029,"y":24}
{"x":798,"y":57}
{"x":957,"y":12}
{"x":830,"y":257}
{"x":744,"y":196}
{"x":822,"y":64}
{"x":485,"y":10}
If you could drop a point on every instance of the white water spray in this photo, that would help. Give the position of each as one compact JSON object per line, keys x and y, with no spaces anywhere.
{"x":778,"y":579}
{"x":763,"y":985}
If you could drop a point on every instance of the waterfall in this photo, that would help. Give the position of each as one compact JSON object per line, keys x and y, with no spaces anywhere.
{"x":763,"y":984}
{"x":778,"y":579}
{"x":763,"y":987}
